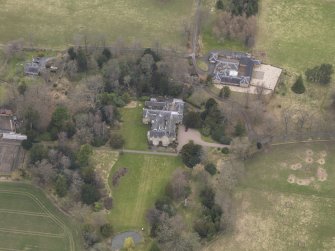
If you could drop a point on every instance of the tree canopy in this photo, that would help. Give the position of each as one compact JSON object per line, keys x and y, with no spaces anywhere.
{"x":320,"y":74}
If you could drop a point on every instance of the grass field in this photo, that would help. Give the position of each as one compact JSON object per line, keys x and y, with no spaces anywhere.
{"x":274,"y":213}
{"x":137,"y":191}
{"x":28,"y":221}
{"x":54,"y":23}
{"x":297,"y":34}
{"x":133,"y":130}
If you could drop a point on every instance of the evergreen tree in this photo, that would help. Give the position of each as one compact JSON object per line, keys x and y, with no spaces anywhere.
{"x":298,"y":87}
{"x":219,"y":5}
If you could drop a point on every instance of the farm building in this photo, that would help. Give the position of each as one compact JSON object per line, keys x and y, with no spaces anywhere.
{"x":232,"y":68}
{"x":35,"y":67}
{"x":163,"y":116}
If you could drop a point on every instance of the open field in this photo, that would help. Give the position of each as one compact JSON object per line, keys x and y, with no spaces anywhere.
{"x":274,"y":213}
{"x":28,"y":221}
{"x":138,"y":189}
{"x":297,"y":34}
{"x":133,"y":130}
{"x":55,"y":23}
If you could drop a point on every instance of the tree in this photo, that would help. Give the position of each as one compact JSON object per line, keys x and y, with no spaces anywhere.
{"x":178,"y":187}
{"x":211,"y":168}
{"x":190,"y":154}
{"x":72,"y":53}
{"x":84,"y":154}
{"x":193,"y":120}
{"x":219,"y":5}
{"x":106,"y":230}
{"x":22,"y":88}
{"x":82,"y":61}
{"x":226,"y":91}
{"x":154,"y":246}
{"x":37,"y":153}
{"x":207,"y":197}
{"x":61,"y":186}
{"x":239,"y":129}
{"x":240,"y":7}
{"x":89,"y":194}
{"x":320,"y":74}
{"x":116,"y":141}
{"x":60,"y":118}
{"x":129,"y":244}
{"x":298,"y":87}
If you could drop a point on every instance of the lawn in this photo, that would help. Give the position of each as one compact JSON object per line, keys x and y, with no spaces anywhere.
{"x":138,"y":189}
{"x":56,"y":23}
{"x":297,"y":34}
{"x":132,"y":128}
{"x":28,"y":221}
{"x":274,"y":213}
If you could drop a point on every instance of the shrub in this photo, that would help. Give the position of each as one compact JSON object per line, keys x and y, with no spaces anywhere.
{"x":116,"y":141}
{"x":211,"y":168}
{"x":37,"y":153}
{"x":108,"y":203}
{"x":219,"y":5}
{"x":89,"y":194}
{"x":106,"y":230}
{"x":239,"y":129}
{"x":61,"y":186}
{"x":320,"y":74}
{"x":225,"y":150}
{"x":118,"y":174}
{"x":191,"y":154}
{"x":298,"y":87}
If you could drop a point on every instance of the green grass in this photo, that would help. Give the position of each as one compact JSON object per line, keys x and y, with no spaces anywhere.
{"x":55,"y":23}
{"x":210,"y":42}
{"x":28,"y":221}
{"x":133,"y":130}
{"x":273,"y":214}
{"x":297,"y":34}
{"x":137,"y":191}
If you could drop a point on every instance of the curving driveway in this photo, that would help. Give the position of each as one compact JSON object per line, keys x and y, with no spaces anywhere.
{"x":192,"y":134}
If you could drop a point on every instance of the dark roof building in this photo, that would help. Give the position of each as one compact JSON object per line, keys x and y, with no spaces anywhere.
{"x":163,"y":116}
{"x":234,"y":68}
{"x":36,"y":66}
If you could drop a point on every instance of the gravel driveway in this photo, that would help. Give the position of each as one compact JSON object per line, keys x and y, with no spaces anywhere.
{"x":192,"y":134}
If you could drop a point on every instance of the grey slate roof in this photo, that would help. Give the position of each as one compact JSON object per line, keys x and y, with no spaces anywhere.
{"x":36,"y":65}
{"x":163,"y":116}
{"x":228,"y":67}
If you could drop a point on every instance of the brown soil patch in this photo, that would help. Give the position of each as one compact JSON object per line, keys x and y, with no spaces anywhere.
{"x":323,"y":154}
{"x":321,"y":161}
{"x":296,"y":166}
{"x":132,"y":104}
{"x":291,"y":179}
{"x":304,"y":182}
{"x":321,"y":173}
{"x":309,"y":160}
{"x":309,"y":152}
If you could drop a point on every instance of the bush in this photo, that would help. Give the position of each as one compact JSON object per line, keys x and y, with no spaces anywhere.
{"x":89,"y":194}
{"x":207,"y":197}
{"x":219,"y":5}
{"x":191,"y":154}
{"x":320,"y":74}
{"x":225,"y":150}
{"x":211,"y":168}
{"x":154,"y":246}
{"x":27,"y":144}
{"x":106,"y":230}
{"x":37,"y":153}
{"x":116,"y":141}
{"x":298,"y":87}
{"x":108,"y":203}
{"x":239,"y":129}
{"x":61,"y":186}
